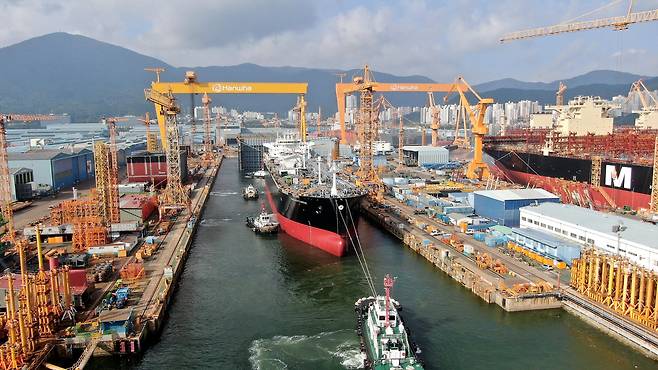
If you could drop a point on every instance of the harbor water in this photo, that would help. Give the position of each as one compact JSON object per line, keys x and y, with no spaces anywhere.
{"x":269,"y":302}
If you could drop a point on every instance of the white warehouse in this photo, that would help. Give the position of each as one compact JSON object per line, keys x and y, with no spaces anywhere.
{"x":635,"y":240}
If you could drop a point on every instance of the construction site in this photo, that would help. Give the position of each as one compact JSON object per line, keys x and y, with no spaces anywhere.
{"x":557,"y":214}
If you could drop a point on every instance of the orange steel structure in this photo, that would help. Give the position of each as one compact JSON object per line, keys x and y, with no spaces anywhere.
{"x":151,"y":140}
{"x":5,"y":186}
{"x":112,"y":200}
{"x":89,"y":228}
{"x":34,"y":308}
{"x":622,"y":286}
{"x":102,"y":166}
{"x":174,"y":195}
{"x":345,"y":88}
{"x":631,"y":145}
{"x":435,"y":111}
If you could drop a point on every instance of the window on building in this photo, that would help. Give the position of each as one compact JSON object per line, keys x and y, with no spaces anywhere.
{"x":622,"y":250}
{"x":550,"y":227}
{"x":523,"y":218}
{"x":564,"y":232}
{"x":573,"y":235}
{"x":535,"y":222}
{"x":632,"y":254}
{"x":609,"y":246}
{"x":582,"y":238}
{"x":590,"y":241}
{"x":542,"y":225}
{"x":557,"y":230}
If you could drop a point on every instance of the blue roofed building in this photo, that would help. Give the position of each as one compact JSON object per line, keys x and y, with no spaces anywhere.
{"x":56,"y":168}
{"x":502,"y":206}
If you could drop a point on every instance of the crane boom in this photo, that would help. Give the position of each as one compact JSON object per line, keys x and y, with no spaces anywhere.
{"x":617,"y":23}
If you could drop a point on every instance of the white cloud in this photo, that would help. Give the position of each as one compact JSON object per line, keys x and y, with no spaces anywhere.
{"x":437,"y":39}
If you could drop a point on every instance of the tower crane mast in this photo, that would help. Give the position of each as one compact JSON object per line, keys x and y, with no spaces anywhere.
{"x":435,"y":112}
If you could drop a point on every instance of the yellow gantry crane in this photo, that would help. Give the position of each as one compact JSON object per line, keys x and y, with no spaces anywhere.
{"x":476,"y":169}
{"x":616,"y":23}
{"x":191,"y":85}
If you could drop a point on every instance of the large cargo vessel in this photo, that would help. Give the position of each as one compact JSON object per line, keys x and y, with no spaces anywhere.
{"x":311,"y":203}
{"x":599,"y":171}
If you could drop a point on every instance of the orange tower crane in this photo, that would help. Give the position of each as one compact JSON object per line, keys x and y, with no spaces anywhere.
{"x":5,"y":184}
{"x":476,"y":169}
{"x":435,"y":112}
{"x":559,"y":95}
{"x":207,"y":141}
{"x":617,"y":23}
{"x":151,"y":142}
{"x":174,"y":195}
{"x":113,"y":173}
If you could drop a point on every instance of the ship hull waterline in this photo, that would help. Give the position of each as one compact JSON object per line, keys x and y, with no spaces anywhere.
{"x":328,"y":229}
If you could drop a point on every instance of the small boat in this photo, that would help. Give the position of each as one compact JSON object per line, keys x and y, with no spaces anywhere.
{"x":265,"y":223}
{"x":260,"y":174}
{"x":250,"y":192}
{"x":385,"y":341}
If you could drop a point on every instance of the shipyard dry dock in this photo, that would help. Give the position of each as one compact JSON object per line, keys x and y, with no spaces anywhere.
{"x":134,"y":325}
{"x":496,"y":276}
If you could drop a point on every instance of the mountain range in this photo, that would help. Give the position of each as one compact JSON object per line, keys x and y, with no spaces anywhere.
{"x":88,"y":79}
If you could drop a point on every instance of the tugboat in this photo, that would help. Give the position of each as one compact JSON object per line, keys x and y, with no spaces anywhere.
{"x":385,"y":340}
{"x":265,"y":223}
{"x":250,"y":192}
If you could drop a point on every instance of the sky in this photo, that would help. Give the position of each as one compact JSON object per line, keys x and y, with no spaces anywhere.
{"x":438,"y":39}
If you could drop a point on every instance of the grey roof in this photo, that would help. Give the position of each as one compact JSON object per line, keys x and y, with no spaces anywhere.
{"x":639,"y":232}
{"x":420,"y":148}
{"x":545,"y":238}
{"x":45,"y":154}
{"x":14,"y":171}
{"x":517,"y":194}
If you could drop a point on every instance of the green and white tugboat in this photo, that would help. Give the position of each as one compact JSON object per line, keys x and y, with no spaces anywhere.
{"x":385,"y":340}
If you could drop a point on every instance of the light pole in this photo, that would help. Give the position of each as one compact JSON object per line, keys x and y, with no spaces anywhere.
{"x":618,"y":228}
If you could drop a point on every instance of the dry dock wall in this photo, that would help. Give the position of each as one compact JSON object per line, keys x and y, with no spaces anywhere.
{"x":482,"y":283}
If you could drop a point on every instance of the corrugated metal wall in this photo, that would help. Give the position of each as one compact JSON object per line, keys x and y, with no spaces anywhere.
{"x":489,"y":208}
{"x":435,"y":156}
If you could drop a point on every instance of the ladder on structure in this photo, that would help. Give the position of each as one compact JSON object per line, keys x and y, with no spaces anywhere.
{"x":595,"y":180}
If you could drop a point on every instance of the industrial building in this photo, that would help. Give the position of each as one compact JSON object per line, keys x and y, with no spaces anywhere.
{"x":502,"y":206}
{"x":416,"y":155}
{"x":148,"y":167}
{"x":20,"y":181}
{"x":635,"y":240}
{"x":552,"y":246}
{"x":55,"y":168}
{"x":136,"y":207}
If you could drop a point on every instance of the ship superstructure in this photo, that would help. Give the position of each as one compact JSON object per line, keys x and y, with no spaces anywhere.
{"x":311,"y":202}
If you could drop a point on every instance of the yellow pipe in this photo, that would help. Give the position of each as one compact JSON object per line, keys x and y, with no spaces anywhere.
{"x":11,"y":309}
{"x":655,"y":308}
{"x":640,"y":301}
{"x":624,"y":295}
{"x":67,"y":288}
{"x":620,"y":271}
{"x":649,"y":297}
{"x":21,"y":256}
{"x":611,"y":277}
{"x":634,"y":288}
{"x":39,"y":250}
{"x":604,"y":276}
{"x":22,"y":332}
